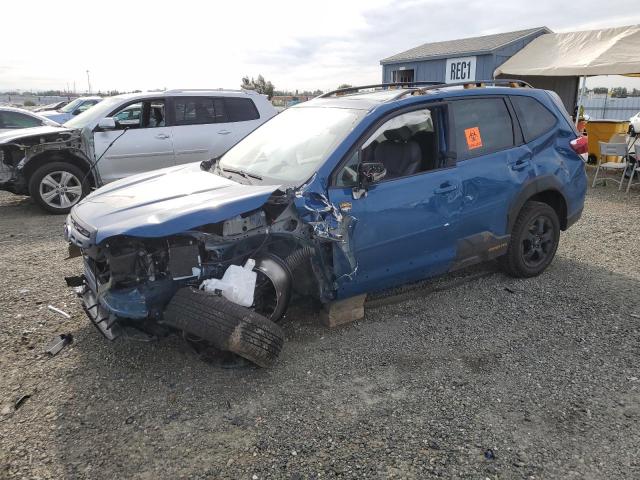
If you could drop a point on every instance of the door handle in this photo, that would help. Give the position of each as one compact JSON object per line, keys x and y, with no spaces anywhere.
{"x":224,"y":132}
{"x":520,"y":165}
{"x":162,"y":136}
{"x":445,"y":188}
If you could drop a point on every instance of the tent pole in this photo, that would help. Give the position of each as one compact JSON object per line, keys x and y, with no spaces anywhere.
{"x":581,"y":97}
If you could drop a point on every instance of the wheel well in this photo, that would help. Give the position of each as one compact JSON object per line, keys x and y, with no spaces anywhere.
{"x":555,"y":200}
{"x":62,"y":156}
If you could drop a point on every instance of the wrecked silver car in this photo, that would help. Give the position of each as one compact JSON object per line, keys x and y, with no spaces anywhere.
{"x":125,"y":135}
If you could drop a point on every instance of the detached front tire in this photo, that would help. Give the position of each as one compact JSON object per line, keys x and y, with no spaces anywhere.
{"x":58,"y":186}
{"x":225,"y":325}
{"x":534,"y":241}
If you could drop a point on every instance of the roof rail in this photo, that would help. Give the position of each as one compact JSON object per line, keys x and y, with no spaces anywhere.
{"x":343,"y":91}
{"x":180,"y":90}
{"x":512,"y":83}
{"x":416,"y":88}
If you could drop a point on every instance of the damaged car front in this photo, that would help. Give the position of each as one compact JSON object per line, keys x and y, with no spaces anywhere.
{"x":24,"y":151}
{"x":216,"y":250}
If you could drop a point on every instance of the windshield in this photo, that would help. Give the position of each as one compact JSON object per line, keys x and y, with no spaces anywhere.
{"x":290,"y":147}
{"x":93,"y":114}
{"x":70,"y":107}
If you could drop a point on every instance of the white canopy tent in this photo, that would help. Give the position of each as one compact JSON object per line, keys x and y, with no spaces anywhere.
{"x":609,"y":51}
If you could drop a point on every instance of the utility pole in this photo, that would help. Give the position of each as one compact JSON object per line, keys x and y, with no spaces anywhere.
{"x":88,"y":82}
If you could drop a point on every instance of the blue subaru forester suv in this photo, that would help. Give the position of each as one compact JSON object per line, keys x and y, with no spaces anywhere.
{"x":356,"y":191}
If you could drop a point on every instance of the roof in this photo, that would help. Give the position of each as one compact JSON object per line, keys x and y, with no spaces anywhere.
{"x":368,"y":100}
{"x":462,"y":46}
{"x":188,"y":93}
{"x":608,"y":51}
{"x":27,"y":112}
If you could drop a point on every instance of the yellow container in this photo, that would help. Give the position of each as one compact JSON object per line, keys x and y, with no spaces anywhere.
{"x":603,"y":131}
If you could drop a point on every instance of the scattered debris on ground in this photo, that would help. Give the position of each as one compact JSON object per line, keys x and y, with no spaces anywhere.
{"x":423,"y":386}
{"x":58,"y":343}
{"x":57,"y":310}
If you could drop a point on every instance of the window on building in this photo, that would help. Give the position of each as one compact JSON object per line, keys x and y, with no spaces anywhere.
{"x":534,"y":118}
{"x":483,"y":126}
{"x":240,"y":109}
{"x":407,"y":144}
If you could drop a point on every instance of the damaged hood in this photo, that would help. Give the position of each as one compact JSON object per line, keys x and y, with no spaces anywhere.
{"x":165,"y":202}
{"x":14,"y":136}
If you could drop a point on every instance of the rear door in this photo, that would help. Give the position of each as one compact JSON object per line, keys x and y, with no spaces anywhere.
{"x":205,"y":127}
{"x":493,"y":164}
{"x":145,"y":145}
{"x":195,"y":125}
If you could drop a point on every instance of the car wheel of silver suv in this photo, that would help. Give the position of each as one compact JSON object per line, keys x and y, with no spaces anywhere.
{"x":57,"y":186}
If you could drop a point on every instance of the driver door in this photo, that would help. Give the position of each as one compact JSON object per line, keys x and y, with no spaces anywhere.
{"x":406,"y":223}
{"x":145,"y":145}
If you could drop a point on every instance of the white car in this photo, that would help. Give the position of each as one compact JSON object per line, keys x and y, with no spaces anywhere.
{"x":71,"y":109}
{"x":634,"y":123}
{"x":125,"y":135}
{"x":16,"y":118}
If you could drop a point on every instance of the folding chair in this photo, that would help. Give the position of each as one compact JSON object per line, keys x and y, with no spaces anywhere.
{"x":635,"y":169}
{"x":612,"y":149}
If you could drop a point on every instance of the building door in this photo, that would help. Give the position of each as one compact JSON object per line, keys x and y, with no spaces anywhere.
{"x":403,"y":76}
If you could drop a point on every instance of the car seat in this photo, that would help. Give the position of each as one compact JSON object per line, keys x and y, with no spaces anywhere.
{"x":400,"y":155}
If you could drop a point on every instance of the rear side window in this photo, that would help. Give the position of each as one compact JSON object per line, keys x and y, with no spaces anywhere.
{"x":198,"y":110}
{"x":240,"y":109}
{"x":18,"y":120}
{"x":534,"y":118}
{"x":483,"y":125}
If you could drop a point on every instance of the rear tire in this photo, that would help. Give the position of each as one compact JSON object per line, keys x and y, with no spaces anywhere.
{"x":534,"y":241}
{"x":57,"y":187}
{"x":226,"y":325}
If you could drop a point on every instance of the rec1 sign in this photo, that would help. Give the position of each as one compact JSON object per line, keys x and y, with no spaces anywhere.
{"x":461,"y":69}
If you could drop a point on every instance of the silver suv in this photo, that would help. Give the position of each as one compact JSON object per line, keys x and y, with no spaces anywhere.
{"x":125,"y":135}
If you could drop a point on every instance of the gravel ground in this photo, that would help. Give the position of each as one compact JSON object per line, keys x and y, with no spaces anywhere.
{"x":474,"y":375}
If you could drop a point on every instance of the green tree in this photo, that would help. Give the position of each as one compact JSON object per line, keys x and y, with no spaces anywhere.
{"x":259,"y":85}
{"x":29,"y":103}
{"x":619,"y":92}
{"x":344,"y":85}
{"x":600,"y":90}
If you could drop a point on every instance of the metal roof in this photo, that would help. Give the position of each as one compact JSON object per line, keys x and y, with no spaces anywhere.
{"x":462,"y":46}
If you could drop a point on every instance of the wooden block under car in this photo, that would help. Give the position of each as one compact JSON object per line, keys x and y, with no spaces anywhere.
{"x":343,"y":311}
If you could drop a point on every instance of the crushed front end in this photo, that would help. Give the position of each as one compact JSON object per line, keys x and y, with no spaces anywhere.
{"x":19,"y":148}
{"x":129,"y":281}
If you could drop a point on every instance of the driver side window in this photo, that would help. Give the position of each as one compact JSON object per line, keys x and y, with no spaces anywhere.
{"x":147,"y":114}
{"x":407,"y":144}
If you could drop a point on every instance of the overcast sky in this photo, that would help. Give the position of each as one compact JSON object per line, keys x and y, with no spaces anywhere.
{"x":143,"y":45}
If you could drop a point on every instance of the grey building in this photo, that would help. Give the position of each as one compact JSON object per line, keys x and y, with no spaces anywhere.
{"x":471,"y":59}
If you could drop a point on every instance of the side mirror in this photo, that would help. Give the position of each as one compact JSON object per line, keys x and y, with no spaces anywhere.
{"x":371,"y":172}
{"x":107,"y":123}
{"x":368,"y":173}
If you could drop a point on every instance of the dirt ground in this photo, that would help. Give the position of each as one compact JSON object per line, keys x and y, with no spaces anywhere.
{"x":474,"y":375}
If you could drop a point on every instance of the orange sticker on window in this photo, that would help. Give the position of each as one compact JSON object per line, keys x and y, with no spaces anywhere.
{"x":474,"y":140}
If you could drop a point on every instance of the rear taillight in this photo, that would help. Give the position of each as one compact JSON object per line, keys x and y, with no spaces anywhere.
{"x":580,"y":145}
